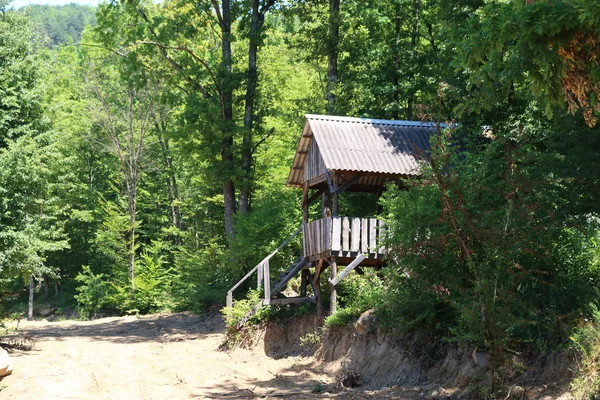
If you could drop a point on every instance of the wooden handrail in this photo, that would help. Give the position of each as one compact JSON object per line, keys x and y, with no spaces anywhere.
{"x":265,"y":275}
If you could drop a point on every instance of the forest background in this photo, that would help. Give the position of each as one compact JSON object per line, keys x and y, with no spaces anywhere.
{"x":144,"y":149}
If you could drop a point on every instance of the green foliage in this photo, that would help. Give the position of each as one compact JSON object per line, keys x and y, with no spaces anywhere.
{"x":153,"y":281}
{"x":62,"y":24}
{"x":357,"y":294}
{"x":234,"y":315}
{"x":94,"y":292}
{"x":586,"y":341}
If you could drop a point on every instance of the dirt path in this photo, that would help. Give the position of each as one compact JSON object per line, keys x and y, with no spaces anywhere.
{"x":156,"y":357}
{"x":169,"y":356}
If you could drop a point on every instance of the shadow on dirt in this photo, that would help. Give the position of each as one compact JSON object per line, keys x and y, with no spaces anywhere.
{"x":291,"y":383}
{"x":159,"y":328}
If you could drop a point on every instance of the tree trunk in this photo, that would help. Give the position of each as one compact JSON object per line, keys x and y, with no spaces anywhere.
{"x":414,"y":38}
{"x":254,"y":36}
{"x":396,"y":61}
{"x":131,"y":267}
{"x":171,"y":181}
{"x":45,"y":287}
{"x":227,"y":114}
{"x":30,"y":302}
{"x":332,"y":55}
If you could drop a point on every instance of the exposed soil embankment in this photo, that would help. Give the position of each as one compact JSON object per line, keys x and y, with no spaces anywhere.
{"x":380,"y":360}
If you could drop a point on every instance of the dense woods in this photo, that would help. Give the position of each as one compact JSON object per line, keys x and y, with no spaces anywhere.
{"x":144,"y":149}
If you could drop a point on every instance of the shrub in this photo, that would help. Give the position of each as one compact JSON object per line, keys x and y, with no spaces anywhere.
{"x":94,"y":292}
{"x":356,"y":294}
{"x":586,"y":341}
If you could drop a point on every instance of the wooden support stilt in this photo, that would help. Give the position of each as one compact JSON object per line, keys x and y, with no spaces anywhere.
{"x":316,"y":286}
{"x":304,"y":281}
{"x":333,"y":295}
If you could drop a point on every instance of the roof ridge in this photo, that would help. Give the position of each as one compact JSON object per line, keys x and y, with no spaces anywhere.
{"x":372,"y":120}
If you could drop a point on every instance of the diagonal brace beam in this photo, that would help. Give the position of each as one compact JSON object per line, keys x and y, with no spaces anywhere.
{"x":348,"y":269}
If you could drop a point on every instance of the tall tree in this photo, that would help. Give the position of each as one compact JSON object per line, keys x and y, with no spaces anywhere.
{"x":178,"y":34}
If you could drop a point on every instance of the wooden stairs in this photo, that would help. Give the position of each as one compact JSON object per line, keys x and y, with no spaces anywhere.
{"x":272,"y":293}
{"x":279,"y":285}
{"x":264,"y":282}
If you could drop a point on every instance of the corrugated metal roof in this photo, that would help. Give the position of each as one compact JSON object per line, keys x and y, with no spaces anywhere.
{"x":363,"y":145}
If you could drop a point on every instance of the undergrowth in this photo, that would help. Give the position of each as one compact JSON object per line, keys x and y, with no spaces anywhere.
{"x":356,"y":294}
{"x":586,"y":341}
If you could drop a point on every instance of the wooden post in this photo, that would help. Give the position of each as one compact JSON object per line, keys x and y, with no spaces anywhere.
{"x":316,"y":285}
{"x":335,"y":196}
{"x":304,"y":280}
{"x":267,"y":280}
{"x":333,"y":296}
{"x":305,"y":202}
{"x":326,"y":204}
{"x":259,"y":277}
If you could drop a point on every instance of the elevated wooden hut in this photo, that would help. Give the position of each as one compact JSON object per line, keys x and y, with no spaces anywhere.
{"x":336,"y":155}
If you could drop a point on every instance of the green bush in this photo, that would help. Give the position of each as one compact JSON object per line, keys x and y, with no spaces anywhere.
{"x":586,"y":341}
{"x":234,"y":315}
{"x":356,"y":294}
{"x":152,"y":281}
{"x":94,"y":292}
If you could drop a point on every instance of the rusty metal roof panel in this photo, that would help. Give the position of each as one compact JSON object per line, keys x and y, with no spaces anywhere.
{"x":364,"y":145}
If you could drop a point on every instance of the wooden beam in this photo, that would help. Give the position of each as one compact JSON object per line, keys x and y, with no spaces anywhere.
{"x":304,"y":203}
{"x":347,"y":270}
{"x":267,"y":280}
{"x":329,"y":181}
{"x":284,"y":280}
{"x":313,"y":197}
{"x":347,"y":184}
{"x":316,"y":180}
{"x":316,"y":286}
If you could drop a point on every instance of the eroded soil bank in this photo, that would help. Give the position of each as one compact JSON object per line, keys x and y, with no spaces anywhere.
{"x":380,"y":360}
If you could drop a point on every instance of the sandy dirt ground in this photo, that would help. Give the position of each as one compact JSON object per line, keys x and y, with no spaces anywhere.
{"x":171,"y":356}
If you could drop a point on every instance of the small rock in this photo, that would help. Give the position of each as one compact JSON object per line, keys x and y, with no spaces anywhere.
{"x":6,"y":366}
{"x":517,"y":392}
{"x":46,"y":311}
{"x":350,"y":378}
{"x":365,"y":321}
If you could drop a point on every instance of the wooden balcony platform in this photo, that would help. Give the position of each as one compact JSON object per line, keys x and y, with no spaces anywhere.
{"x":344,"y":238}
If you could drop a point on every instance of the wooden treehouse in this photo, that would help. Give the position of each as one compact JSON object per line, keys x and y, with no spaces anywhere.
{"x":336,"y":155}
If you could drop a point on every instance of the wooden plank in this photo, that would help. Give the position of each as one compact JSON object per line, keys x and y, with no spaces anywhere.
{"x":327,"y":222}
{"x":348,"y":269}
{"x":364,"y":235}
{"x":372,"y":235}
{"x":336,"y":234}
{"x":289,"y":275}
{"x":346,"y":234}
{"x":259,"y":277}
{"x":305,"y":238}
{"x":355,"y":235}
{"x":267,"y":279}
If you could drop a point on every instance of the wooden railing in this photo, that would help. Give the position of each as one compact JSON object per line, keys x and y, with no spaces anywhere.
{"x":343,"y":235}
{"x":263,"y":274}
